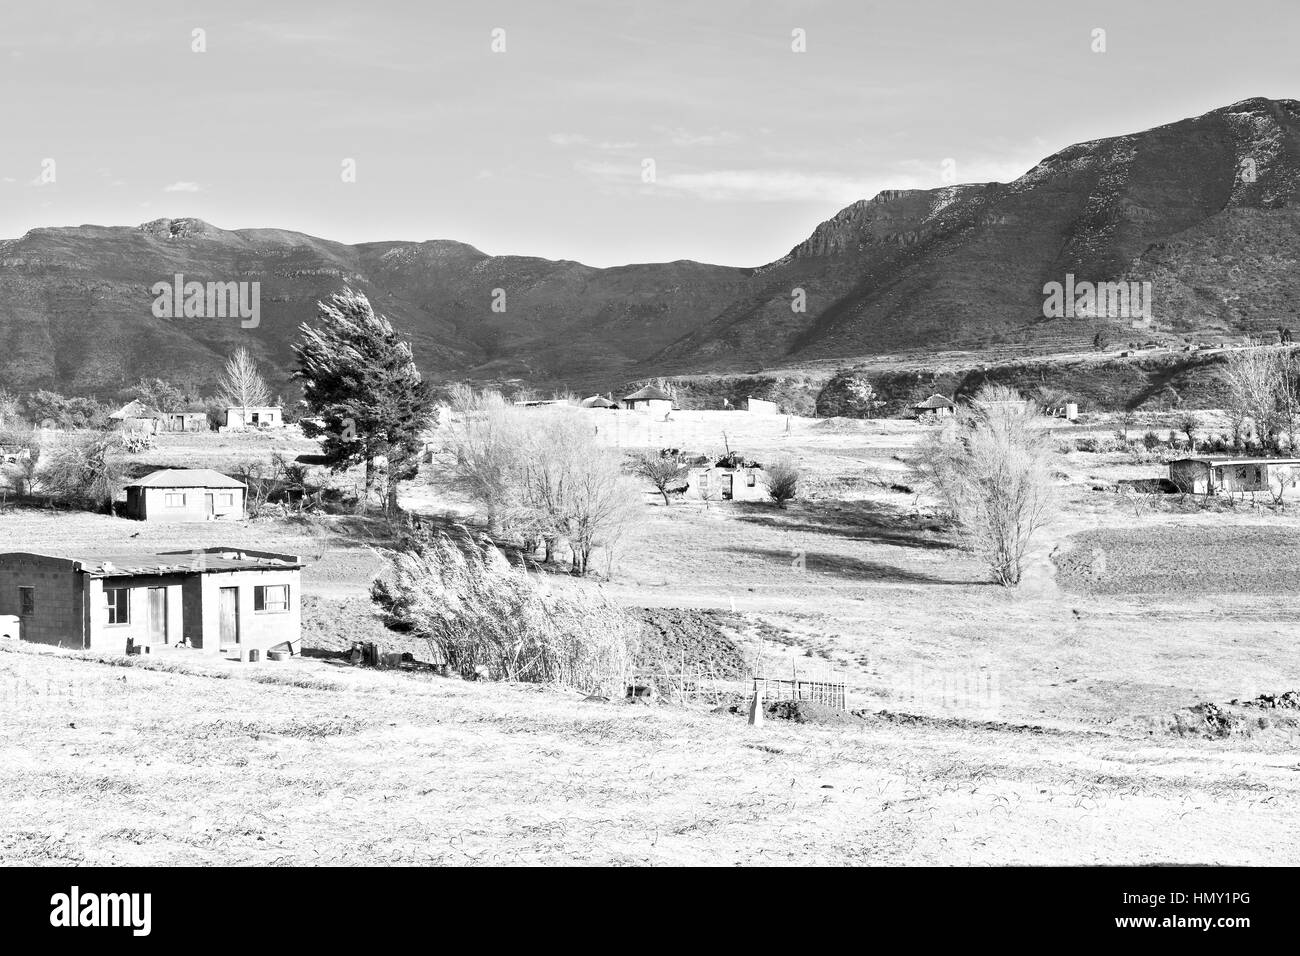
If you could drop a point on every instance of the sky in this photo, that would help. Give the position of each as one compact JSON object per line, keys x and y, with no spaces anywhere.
{"x":604,"y":132}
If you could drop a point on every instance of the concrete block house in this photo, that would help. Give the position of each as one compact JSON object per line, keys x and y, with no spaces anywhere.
{"x":214,"y":600}
{"x":1208,"y":476}
{"x":192,"y":419}
{"x":723,"y":483}
{"x":185,"y":494}
{"x":255,"y":416}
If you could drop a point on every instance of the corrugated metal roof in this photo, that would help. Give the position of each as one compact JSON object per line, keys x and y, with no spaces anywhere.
{"x":1218,"y":462}
{"x":186,"y":478}
{"x":182,"y":562}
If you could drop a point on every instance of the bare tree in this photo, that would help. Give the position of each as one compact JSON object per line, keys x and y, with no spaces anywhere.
{"x":1189,"y":424}
{"x":1126,"y":421}
{"x":991,"y":473}
{"x":659,"y":469}
{"x":1260,"y":391}
{"x":484,"y":454}
{"x":782,"y":480}
{"x":539,"y":475}
{"x":241,"y":385}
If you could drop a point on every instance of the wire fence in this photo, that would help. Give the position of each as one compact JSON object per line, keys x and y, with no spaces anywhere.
{"x":806,"y":679}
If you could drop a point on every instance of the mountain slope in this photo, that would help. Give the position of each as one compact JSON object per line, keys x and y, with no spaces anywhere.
{"x":75,"y":304}
{"x":964,"y":266}
{"x":1205,"y":209}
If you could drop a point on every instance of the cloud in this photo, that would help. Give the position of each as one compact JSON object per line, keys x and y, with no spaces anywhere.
{"x":183,"y":187}
{"x":737,"y":185}
{"x":680,"y":136}
{"x":567,"y":140}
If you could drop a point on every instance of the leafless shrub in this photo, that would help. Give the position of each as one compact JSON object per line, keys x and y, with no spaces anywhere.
{"x":991,"y":472}
{"x":659,"y":469}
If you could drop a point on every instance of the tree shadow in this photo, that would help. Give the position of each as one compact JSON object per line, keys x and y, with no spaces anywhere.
{"x":850,"y":567}
{"x":869,"y":522}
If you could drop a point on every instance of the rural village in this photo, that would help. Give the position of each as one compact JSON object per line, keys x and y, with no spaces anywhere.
{"x":851,"y":593}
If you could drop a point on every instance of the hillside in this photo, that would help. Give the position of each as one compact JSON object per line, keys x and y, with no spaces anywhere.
{"x":965,"y":266}
{"x":75,"y":304}
{"x":1204,"y":209}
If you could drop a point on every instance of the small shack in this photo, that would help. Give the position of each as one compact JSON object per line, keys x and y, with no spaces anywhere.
{"x":599,"y":401}
{"x":213,"y":599}
{"x":936,"y":406}
{"x":191,"y":419}
{"x":1205,"y":475}
{"x":726,"y":483}
{"x":650,"y":399}
{"x":760,"y":406}
{"x":186,"y":494}
{"x":135,"y":417}
{"x":255,"y":416}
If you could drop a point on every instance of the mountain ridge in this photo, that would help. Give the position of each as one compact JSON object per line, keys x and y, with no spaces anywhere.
{"x":1204,"y":208}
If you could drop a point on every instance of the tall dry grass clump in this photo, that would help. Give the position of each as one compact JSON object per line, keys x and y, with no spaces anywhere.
{"x":480,"y":611}
{"x":991,"y":471}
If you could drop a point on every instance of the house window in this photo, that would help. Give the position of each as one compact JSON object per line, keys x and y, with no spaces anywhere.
{"x":174,"y":500}
{"x":750,"y":479}
{"x":27,"y":601}
{"x":119,"y":605}
{"x":227,"y":501}
{"x":271,"y":597}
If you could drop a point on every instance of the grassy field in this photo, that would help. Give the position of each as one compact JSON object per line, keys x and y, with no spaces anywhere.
{"x":1050,"y":724}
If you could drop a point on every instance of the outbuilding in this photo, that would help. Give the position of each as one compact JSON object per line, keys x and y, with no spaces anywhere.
{"x":254,"y":416}
{"x":936,"y":406}
{"x":760,"y":406}
{"x":186,"y":494}
{"x":1208,"y":475}
{"x":598,"y":401}
{"x":722,"y":483}
{"x":213,"y":599}
{"x":133,"y":416}
{"x":192,"y":419}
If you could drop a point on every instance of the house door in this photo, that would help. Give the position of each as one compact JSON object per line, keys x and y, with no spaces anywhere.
{"x":726,"y":487}
{"x":229,"y":616}
{"x":209,"y":505}
{"x":157,"y":615}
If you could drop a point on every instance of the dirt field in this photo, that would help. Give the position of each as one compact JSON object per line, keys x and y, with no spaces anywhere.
{"x":1050,"y":724}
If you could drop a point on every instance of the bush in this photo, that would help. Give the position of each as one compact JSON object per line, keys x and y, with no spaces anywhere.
{"x":478,"y":610}
{"x":782,"y":480}
{"x":83,"y":471}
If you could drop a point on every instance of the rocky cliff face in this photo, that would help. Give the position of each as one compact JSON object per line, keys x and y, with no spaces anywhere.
{"x":1205,"y":209}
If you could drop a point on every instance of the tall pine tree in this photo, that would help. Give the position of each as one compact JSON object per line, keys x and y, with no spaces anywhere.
{"x":362,"y":387}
